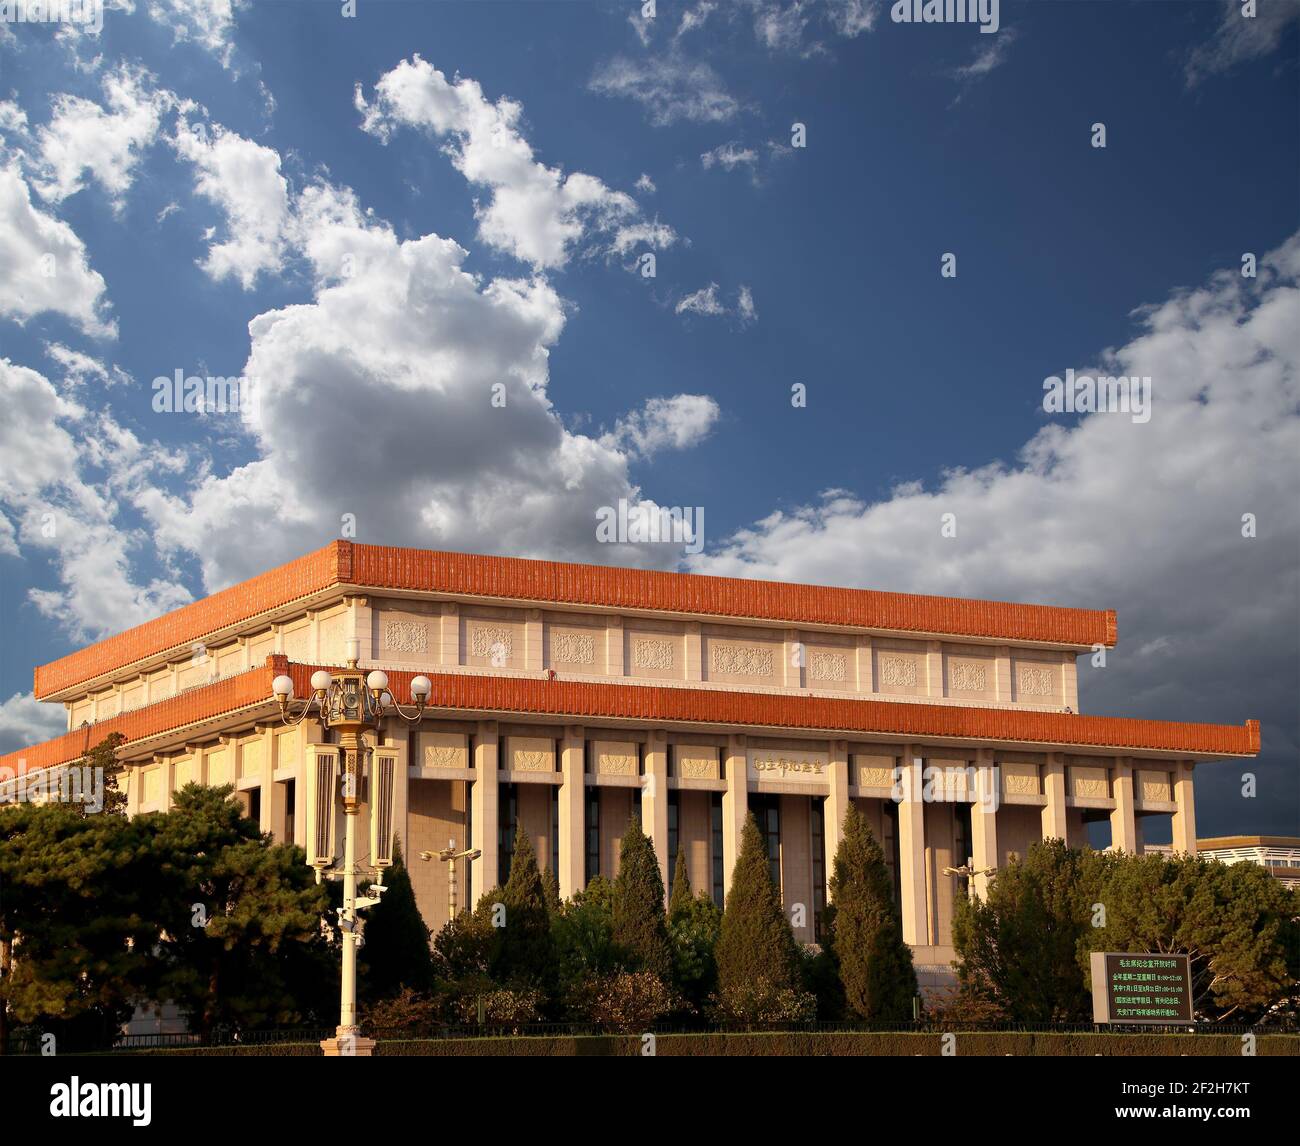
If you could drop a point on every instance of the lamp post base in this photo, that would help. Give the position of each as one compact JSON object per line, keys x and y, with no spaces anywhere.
{"x":347,"y":1043}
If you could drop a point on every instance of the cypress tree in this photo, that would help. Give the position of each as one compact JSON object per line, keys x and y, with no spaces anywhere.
{"x":875,"y":965}
{"x":640,"y":925}
{"x":396,"y":950}
{"x":551,"y":885}
{"x":522,"y":952}
{"x":680,"y":902}
{"x":756,"y":944}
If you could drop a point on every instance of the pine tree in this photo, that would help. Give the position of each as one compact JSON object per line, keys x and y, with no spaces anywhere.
{"x":640,"y":925}
{"x":396,"y":949}
{"x":756,"y":945}
{"x":522,"y":951}
{"x":680,"y":902}
{"x":102,"y":759}
{"x":551,"y":885}
{"x":875,"y":965}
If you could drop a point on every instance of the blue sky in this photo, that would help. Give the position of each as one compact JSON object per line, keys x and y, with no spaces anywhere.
{"x":201,"y":167}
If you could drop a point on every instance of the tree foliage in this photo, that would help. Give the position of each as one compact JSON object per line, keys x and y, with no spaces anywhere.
{"x":640,"y":924}
{"x":756,"y":944}
{"x":875,"y":965}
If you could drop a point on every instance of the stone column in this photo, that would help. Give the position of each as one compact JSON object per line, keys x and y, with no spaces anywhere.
{"x":1123,"y":820}
{"x":837,"y":804}
{"x":1054,"y":825}
{"x":484,"y":794}
{"x":1184,"y":819}
{"x":449,"y":635}
{"x":654,"y":800}
{"x":735,"y":805}
{"x":694,"y":651}
{"x":404,"y":740}
{"x":911,"y":850}
{"x":573,"y":810}
{"x":984,"y":821}
{"x":533,"y":657}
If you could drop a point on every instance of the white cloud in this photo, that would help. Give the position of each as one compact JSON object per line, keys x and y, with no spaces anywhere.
{"x":395,"y":369}
{"x":208,"y":23}
{"x":1105,"y":513}
{"x":78,"y":367}
{"x":243,"y":180}
{"x":535,"y":212}
{"x":1240,"y":38}
{"x":729,"y":155}
{"x":62,"y":470}
{"x":645,"y":184}
{"x":105,"y":142}
{"x":675,"y":423}
{"x":703,"y":301}
{"x":25,"y":720}
{"x":745,"y":305}
{"x":987,"y":56}
{"x":850,"y":18}
{"x":706,"y":302}
{"x":669,"y":87}
{"x":43,"y":264}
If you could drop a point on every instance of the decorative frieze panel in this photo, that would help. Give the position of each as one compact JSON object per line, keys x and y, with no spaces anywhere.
{"x":1088,"y":782}
{"x":444,"y":749}
{"x":696,"y":762}
{"x":1019,"y":779}
{"x":652,"y":653}
{"x":1155,"y":787}
{"x":406,"y":636}
{"x":739,"y":660}
{"x":873,"y":771}
{"x":219,"y":768}
{"x":897,"y":672}
{"x":530,"y":754}
{"x":1035,"y":680}
{"x":787,"y":764}
{"x":297,"y":644}
{"x":494,"y":642}
{"x":967,"y":676}
{"x":252,"y":755}
{"x":615,"y":758}
{"x":828,"y":667}
{"x":573,"y":648}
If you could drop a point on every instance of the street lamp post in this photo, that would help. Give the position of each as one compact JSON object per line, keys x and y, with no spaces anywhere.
{"x":350,"y":705}
{"x":449,"y":855}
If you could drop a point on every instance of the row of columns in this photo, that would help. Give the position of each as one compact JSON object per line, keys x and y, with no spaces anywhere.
{"x":735,"y":808}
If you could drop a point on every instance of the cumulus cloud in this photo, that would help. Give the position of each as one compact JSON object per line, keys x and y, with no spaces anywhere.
{"x":44,"y":267}
{"x":432,"y":383}
{"x":105,"y":143}
{"x":63,"y":471}
{"x":536,"y":213}
{"x":208,"y":23}
{"x":675,"y":423}
{"x":1240,"y":38}
{"x":243,"y":180}
{"x":25,"y":720}
{"x":669,"y":87}
{"x":1084,"y":516}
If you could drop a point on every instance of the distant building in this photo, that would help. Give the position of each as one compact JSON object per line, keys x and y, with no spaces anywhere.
{"x":1279,"y":854}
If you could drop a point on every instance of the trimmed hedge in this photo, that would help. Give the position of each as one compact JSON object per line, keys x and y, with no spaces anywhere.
{"x":801,"y":1044}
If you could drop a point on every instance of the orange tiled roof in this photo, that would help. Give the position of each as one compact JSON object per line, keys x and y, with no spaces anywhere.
{"x":578,"y":701}
{"x":518,"y":579}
